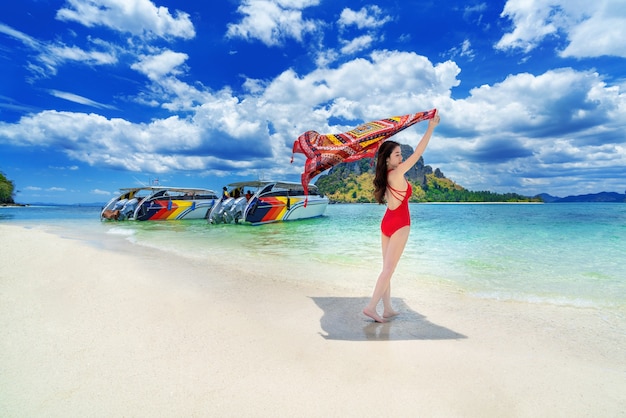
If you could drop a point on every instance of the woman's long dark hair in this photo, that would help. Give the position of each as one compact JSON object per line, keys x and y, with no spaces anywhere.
{"x":380,"y":178}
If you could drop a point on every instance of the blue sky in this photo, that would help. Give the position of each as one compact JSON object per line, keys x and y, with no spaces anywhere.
{"x":101,"y":94}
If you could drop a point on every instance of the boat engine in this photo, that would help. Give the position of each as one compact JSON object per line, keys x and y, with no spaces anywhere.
{"x":219,"y":211}
{"x":235,"y":212}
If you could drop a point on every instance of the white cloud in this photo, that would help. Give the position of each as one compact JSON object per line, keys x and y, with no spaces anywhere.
{"x":463,"y":50}
{"x":385,"y":84}
{"x":79,"y":99}
{"x":273,"y":21}
{"x":469,"y":11}
{"x":20,"y":36}
{"x":138,"y":17}
{"x":54,"y":56}
{"x":100,"y":192}
{"x":157,"y":66}
{"x":51,"y":55}
{"x":325,"y":57}
{"x":592,"y":29}
{"x":71,"y":168}
{"x":603,"y":33}
{"x":367,"y":18}
{"x":521,"y":128}
{"x":357,"y":44}
{"x":64,"y":53}
{"x":532,"y":22}
{"x":535,"y":111}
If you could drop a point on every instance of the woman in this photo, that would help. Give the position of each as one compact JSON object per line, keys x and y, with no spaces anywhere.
{"x":390,"y":186}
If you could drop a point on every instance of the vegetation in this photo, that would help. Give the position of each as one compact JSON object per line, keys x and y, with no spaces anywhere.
{"x":6,"y":190}
{"x":353,"y":189}
{"x":345,"y":187}
{"x":445,"y":190}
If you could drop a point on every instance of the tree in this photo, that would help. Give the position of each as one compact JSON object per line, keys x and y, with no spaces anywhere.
{"x":6,"y":189}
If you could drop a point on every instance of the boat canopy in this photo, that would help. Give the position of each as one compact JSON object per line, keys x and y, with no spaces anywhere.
{"x":172,"y":189}
{"x":262,"y":183}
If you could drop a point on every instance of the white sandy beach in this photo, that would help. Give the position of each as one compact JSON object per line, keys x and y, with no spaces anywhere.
{"x":92,"y":332}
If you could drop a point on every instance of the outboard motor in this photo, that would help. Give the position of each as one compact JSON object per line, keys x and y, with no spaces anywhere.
{"x":235,"y":212}
{"x":212,"y":216}
{"x":219,"y":209}
{"x":119,"y":205}
{"x":129,"y":208}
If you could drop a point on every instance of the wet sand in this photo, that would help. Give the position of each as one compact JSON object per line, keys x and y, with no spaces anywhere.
{"x":87,"y":331}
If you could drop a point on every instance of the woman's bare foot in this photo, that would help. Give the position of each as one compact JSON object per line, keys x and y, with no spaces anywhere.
{"x":373,"y":315}
{"x":390,"y":313}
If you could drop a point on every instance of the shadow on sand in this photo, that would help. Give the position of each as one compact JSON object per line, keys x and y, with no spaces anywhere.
{"x":343,"y":320}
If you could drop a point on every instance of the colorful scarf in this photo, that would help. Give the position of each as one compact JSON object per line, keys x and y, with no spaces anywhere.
{"x":325,"y":151}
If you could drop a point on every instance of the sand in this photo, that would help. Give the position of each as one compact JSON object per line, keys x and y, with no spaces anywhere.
{"x":96,"y":332}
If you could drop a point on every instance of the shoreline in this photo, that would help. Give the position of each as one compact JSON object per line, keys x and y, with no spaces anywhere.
{"x":89,"y":330}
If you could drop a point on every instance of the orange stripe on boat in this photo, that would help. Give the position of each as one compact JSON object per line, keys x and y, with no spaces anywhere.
{"x":279,"y":207}
{"x":178,"y":206}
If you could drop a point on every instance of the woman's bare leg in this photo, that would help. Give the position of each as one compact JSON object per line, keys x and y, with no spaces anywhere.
{"x":392,"y":251}
{"x":388,"y":311}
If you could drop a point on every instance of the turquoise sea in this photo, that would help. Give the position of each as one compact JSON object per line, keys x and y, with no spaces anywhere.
{"x":564,"y":254}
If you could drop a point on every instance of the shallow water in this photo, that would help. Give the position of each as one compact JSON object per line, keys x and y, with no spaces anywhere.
{"x":564,"y":254}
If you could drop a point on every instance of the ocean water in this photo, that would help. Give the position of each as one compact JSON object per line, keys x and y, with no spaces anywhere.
{"x":563,"y":254}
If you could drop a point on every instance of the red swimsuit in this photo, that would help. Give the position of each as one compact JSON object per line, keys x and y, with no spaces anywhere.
{"x":399,"y":217}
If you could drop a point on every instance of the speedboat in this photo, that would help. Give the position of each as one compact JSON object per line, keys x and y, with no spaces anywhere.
{"x":160,"y":203}
{"x":259,"y":202}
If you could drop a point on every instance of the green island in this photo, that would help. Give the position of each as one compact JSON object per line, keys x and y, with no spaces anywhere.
{"x":6,"y":190}
{"x":353,"y":183}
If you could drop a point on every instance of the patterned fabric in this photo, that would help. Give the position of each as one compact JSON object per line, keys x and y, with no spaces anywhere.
{"x":325,"y":151}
